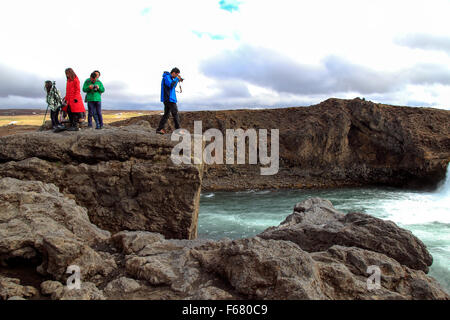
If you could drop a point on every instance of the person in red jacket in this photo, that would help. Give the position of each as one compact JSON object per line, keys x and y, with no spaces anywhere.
{"x":75,"y":106}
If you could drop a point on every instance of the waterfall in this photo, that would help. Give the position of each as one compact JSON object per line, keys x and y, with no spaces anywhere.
{"x":444,"y":189}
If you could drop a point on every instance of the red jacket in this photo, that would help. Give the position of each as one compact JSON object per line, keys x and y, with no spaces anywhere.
{"x":73,"y":92}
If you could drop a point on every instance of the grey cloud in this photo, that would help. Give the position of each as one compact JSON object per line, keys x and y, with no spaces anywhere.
{"x":269,"y":69}
{"x":233,"y":89}
{"x":427,"y":74}
{"x":20,"y":83}
{"x":425,"y":42}
{"x":301,"y":84}
{"x":115,"y":85}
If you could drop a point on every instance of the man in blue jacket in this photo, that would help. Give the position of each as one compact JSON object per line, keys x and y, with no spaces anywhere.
{"x":169,"y":98}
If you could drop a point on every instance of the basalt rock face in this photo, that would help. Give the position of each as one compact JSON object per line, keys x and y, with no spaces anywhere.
{"x":124,"y":177}
{"x":316,"y":225}
{"x":41,"y":226}
{"x":335,"y":143}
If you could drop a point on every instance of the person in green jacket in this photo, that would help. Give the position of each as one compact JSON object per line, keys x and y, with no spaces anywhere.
{"x":94,"y":89}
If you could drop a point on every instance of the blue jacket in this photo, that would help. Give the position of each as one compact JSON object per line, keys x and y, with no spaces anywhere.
{"x":168,"y":86}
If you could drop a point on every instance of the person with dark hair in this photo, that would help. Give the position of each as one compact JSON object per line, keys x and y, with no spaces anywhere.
{"x":169,"y":98}
{"x":75,"y":107}
{"x":94,"y":89}
{"x":54,"y":102}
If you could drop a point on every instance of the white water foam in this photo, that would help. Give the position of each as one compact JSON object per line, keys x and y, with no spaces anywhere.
{"x":420,"y":208}
{"x":444,"y":189}
{"x":209,"y":195}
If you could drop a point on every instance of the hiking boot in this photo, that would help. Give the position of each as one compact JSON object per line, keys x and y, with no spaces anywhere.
{"x":73,"y":129}
{"x":98,"y":128}
{"x":59,"y":128}
{"x":162,"y":131}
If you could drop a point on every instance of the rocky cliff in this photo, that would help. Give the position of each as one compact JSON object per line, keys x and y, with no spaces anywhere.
{"x":124,"y":177}
{"x":112,"y":203}
{"x":335,"y":143}
{"x":42,"y":232}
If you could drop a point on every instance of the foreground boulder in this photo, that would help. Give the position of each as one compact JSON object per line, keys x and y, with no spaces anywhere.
{"x":345,"y":273}
{"x":39,"y":226}
{"x":42,"y":227}
{"x":259,"y":269}
{"x":11,"y":289}
{"x":316,"y":225}
{"x":124,"y":177}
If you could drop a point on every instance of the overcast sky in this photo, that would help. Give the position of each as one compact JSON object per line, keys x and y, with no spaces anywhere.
{"x":232,"y":53}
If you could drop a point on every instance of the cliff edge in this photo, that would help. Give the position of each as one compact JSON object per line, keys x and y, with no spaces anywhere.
{"x":124,"y":177}
{"x":335,"y":143}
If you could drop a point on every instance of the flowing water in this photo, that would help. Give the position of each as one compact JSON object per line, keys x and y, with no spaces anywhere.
{"x":427,"y":214}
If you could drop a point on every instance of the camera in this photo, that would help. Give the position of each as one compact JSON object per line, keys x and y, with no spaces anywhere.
{"x":95,"y":88}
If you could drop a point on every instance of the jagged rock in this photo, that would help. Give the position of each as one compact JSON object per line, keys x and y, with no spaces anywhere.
{"x":263,"y":269}
{"x":316,"y":226}
{"x":11,"y":288}
{"x":332,"y":144}
{"x":144,"y":265}
{"x":38,"y":222}
{"x":133,"y":242}
{"x":22,"y":199}
{"x":88,"y":291}
{"x":268,"y":269}
{"x":122,"y":285}
{"x":344,"y":274}
{"x":210,"y":292}
{"x":124,"y":177}
{"x":49,"y":287}
{"x":147,"y":243}
{"x":174,"y":268}
{"x":164,"y":264}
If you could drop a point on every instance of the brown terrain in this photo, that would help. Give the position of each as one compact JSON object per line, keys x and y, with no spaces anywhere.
{"x":333,"y":144}
{"x":30,"y":120}
{"x":113,"y":203}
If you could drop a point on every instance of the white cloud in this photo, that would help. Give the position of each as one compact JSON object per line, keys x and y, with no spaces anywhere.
{"x":133,"y":42}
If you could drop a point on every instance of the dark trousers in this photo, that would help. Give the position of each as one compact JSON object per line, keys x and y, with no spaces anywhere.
{"x":74,"y":117}
{"x":95,"y":111}
{"x":54,"y":116}
{"x":170,"y":108}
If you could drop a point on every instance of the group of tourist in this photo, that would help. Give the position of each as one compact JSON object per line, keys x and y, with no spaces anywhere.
{"x":72,"y":105}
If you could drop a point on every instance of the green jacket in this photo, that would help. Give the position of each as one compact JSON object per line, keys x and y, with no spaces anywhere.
{"x":92,"y":95}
